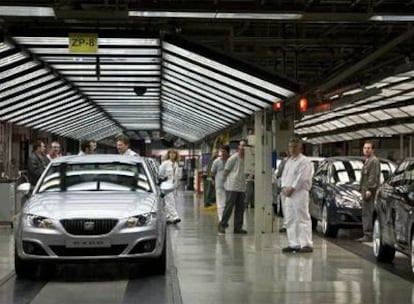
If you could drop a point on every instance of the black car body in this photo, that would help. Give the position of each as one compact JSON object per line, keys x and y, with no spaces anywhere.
{"x":394,"y":215}
{"x":335,"y":198}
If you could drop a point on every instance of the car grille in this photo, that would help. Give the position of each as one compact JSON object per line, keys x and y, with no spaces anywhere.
{"x":64,"y":251}
{"x":89,"y":226}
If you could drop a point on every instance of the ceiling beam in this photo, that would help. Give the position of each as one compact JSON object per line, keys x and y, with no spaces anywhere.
{"x":367,"y":60}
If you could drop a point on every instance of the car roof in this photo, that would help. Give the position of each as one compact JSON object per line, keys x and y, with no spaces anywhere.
{"x":315,"y":158}
{"x":352,"y":157}
{"x":345,"y":158}
{"x":98,"y":158}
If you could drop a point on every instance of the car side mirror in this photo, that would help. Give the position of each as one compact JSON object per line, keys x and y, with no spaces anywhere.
{"x":317,"y":179}
{"x":24,"y":188}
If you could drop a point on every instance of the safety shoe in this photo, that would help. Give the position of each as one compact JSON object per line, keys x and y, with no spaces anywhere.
{"x":290,"y":249}
{"x":176,"y":221}
{"x":241,"y":231}
{"x":221,"y":229}
{"x":282,"y":230}
{"x":210,"y":208}
{"x":364,"y":239}
{"x":306,"y":249}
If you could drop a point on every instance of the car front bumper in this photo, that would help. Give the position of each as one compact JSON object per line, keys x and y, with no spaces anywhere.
{"x":119,"y":244}
{"x":344,"y":217}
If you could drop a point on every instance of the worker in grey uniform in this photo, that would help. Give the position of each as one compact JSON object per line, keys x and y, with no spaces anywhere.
{"x":370,"y":180}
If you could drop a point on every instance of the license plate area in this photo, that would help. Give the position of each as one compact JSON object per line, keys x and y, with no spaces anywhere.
{"x":86,"y":243}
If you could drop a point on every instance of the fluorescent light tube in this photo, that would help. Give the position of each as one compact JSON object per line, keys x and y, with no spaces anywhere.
{"x":400,"y":18}
{"x":267,"y":16}
{"x":215,"y":15}
{"x":27,"y":11}
{"x":159,"y":14}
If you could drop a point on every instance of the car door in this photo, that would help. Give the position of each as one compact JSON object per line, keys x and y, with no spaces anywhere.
{"x":403,"y":207}
{"x":318,"y":189}
{"x":386,"y":204}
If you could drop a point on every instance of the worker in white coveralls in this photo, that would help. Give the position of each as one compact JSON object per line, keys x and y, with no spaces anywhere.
{"x":296,"y":183}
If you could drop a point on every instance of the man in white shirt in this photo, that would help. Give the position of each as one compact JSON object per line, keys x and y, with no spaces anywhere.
{"x":122,"y":144}
{"x":235,"y":185}
{"x":296,"y":183}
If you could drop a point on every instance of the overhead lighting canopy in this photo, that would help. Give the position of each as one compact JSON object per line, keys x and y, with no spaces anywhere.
{"x":385,"y":112}
{"x":168,"y":85}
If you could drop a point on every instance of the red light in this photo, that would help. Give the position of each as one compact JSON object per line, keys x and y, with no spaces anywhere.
{"x":303,"y":104}
{"x":277,"y":106}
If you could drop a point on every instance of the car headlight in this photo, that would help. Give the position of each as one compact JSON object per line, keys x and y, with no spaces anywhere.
{"x":36,"y":221}
{"x":145,"y":219}
{"x":347,"y":202}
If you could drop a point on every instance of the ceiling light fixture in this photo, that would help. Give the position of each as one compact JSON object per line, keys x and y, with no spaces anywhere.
{"x":27,"y":11}
{"x":267,"y":16}
{"x":158,"y":14}
{"x":399,"y":18}
{"x":215,"y":15}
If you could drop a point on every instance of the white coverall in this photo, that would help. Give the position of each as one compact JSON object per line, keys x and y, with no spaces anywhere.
{"x":171,"y":171}
{"x":217,"y":169}
{"x":298,"y":174}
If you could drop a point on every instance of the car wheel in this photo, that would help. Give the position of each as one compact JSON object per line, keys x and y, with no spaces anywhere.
{"x":327,"y":228}
{"x":382,"y":252}
{"x":412,"y":253}
{"x":24,"y":269}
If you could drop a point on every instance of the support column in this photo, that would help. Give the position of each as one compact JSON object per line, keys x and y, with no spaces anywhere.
{"x":401,"y":147}
{"x":7,"y":149}
{"x":263,"y":214}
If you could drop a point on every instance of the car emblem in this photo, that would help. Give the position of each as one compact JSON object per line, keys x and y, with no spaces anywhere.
{"x":89,"y":226}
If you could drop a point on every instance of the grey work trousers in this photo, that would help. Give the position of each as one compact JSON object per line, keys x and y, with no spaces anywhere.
{"x":249,"y":193}
{"x":367,"y":211}
{"x":234,"y":200}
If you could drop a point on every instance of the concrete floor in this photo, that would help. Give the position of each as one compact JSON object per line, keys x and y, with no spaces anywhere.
{"x":205,"y":267}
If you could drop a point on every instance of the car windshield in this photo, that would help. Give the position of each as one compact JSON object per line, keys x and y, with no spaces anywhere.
{"x":95,"y":177}
{"x":315,"y":164}
{"x":349,"y":171}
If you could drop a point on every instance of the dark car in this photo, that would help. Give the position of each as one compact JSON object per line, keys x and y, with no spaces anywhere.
{"x":394,"y":215}
{"x":335,"y":199}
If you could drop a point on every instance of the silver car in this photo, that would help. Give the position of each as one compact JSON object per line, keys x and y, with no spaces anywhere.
{"x":93,"y":207}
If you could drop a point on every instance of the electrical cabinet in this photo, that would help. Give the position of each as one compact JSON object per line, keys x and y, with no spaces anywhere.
{"x":7,"y":202}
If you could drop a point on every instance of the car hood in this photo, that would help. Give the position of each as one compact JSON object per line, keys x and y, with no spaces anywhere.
{"x":90,"y":204}
{"x":349,"y":191}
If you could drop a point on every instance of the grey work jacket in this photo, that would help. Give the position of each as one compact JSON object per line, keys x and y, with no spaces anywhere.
{"x":370,"y":175}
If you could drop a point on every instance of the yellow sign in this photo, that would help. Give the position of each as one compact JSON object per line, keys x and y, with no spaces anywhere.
{"x":83,"y":43}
